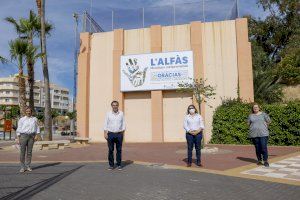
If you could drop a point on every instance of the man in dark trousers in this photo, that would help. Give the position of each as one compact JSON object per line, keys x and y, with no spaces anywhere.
{"x":114,"y":127}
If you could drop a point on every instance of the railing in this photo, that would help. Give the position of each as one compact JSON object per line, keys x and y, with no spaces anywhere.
{"x":162,"y":14}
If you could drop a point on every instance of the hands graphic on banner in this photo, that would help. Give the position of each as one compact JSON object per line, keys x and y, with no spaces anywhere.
{"x":135,"y":74}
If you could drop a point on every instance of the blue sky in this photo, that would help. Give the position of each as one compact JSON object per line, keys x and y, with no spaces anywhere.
{"x":127,"y":14}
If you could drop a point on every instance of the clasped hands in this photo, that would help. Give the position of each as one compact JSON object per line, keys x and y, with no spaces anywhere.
{"x":195,"y":132}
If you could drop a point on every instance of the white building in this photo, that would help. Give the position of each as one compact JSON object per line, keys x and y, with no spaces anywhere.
{"x":9,"y":94}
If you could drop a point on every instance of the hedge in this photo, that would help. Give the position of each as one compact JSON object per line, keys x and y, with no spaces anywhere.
{"x":230,"y":123}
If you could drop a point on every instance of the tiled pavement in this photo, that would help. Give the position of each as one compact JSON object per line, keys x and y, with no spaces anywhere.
{"x":167,"y":153}
{"x":284,"y":169}
{"x":136,"y":182}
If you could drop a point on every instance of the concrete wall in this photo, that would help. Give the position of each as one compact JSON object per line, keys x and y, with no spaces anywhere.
{"x":137,"y":104}
{"x":222,"y":55}
{"x":101,"y":82}
{"x":220,"y":61}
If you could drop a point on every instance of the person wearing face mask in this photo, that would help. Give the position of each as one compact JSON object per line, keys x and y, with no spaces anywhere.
{"x":194,"y":126}
{"x":258,"y":132}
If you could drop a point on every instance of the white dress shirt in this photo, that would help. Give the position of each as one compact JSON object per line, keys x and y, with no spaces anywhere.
{"x":114,"y":122}
{"x":192,"y":123}
{"x":28,"y":125}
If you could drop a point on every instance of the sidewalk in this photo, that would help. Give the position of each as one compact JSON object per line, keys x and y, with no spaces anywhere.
{"x":231,"y":156}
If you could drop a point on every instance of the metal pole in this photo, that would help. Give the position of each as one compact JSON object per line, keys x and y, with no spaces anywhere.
{"x":84,"y":21}
{"x":143,"y":17}
{"x":112,"y":20}
{"x":91,"y":15}
{"x":174,"y":12}
{"x":203,"y":10}
{"x":237,"y":8}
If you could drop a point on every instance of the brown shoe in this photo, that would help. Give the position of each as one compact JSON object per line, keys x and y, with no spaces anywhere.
{"x":189,"y":165}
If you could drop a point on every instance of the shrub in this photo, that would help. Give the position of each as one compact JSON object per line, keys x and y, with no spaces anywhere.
{"x":230,"y":123}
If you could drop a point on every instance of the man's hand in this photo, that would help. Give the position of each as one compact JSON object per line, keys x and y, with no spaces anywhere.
{"x":195,"y":132}
{"x":36,"y":138}
{"x":18,"y":140}
{"x":105,"y":135}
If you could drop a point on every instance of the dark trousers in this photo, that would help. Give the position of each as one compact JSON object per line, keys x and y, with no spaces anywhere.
{"x":112,"y":139}
{"x":191,"y":141}
{"x":261,"y":147}
{"x":26,"y":145}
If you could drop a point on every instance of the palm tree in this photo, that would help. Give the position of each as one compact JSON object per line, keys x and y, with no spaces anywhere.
{"x":28,"y":29}
{"x":48,"y":119}
{"x":18,"y":49}
{"x":3,"y":60}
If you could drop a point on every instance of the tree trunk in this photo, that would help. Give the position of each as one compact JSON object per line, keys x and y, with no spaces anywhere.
{"x":30,"y":69}
{"x":47,"y":113}
{"x":38,"y":4}
{"x":22,"y":89}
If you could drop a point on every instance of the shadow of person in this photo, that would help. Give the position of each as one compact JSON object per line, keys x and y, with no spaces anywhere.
{"x":251,"y":160}
{"x":46,"y":165}
{"x":126,"y":163}
{"x":186,"y":160}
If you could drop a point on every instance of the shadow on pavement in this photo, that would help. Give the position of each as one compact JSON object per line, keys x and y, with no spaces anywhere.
{"x":29,"y":191}
{"x":127,"y":162}
{"x":186,"y":160}
{"x":46,"y":165}
{"x":251,"y":160}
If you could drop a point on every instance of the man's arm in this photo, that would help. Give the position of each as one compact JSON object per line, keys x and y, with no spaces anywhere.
{"x":18,"y":131}
{"x":105,"y":126}
{"x":123,"y":124}
{"x":38,"y":131}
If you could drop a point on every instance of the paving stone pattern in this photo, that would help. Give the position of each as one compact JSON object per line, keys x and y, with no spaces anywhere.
{"x":284,"y":169}
{"x":136,"y":182}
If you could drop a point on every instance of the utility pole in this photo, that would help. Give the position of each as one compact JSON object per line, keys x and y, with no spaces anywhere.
{"x":75,"y":16}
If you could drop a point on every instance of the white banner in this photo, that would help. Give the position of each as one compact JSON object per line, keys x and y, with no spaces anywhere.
{"x":156,"y":71}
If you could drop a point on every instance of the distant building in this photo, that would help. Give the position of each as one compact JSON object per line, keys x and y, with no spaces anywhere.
{"x":9,"y":94}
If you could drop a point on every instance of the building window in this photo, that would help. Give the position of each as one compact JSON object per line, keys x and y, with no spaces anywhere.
{"x":7,"y":100}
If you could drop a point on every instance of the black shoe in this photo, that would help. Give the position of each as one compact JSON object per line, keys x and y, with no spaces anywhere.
{"x":259,"y":163}
{"x":110,"y":168}
{"x":120,"y":168}
{"x":266,"y":164}
{"x":199,"y":165}
{"x":189,"y":165}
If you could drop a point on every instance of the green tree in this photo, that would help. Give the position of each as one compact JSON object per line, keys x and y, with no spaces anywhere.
{"x":28,"y":29}
{"x":200,"y":90}
{"x":273,"y":39}
{"x":18,"y":50}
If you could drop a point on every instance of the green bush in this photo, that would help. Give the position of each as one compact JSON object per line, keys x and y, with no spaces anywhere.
{"x":230,"y":123}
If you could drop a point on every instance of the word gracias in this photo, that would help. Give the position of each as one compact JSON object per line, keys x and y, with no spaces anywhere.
{"x":169,"y":61}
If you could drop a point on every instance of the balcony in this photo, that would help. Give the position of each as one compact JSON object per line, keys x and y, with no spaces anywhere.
{"x":11,"y":103}
{"x":9,"y":87}
{"x":10,"y":95}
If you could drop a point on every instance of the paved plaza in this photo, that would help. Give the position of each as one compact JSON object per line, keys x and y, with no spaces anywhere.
{"x":93,"y":181}
{"x":152,"y":171}
{"x":285,"y":169}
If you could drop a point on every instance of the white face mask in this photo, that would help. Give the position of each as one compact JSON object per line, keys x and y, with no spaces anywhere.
{"x":192,"y":111}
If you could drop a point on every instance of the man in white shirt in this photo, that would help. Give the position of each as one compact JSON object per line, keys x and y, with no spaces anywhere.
{"x":27,"y":131}
{"x":114,"y":127}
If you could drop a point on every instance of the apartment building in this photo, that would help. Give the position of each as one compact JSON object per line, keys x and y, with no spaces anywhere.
{"x":9,"y":94}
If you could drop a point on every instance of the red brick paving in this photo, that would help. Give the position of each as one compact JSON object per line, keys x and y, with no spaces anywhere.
{"x":154,"y":153}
